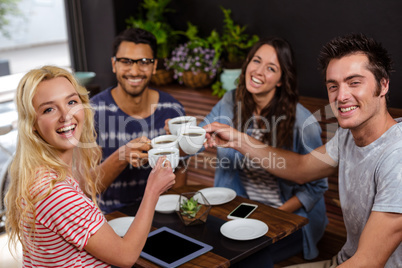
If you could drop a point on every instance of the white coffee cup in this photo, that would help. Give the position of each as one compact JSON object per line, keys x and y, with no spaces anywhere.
{"x":171,"y":153}
{"x":182,"y":121}
{"x":164,"y":141}
{"x":191,"y":139}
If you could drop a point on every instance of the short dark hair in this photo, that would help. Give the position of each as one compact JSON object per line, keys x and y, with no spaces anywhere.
{"x":380,"y":63}
{"x":137,"y":36}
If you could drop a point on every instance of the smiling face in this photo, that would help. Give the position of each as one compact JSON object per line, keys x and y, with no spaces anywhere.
{"x":263,"y":73}
{"x":59,"y":115}
{"x":353,"y":92}
{"x":133,"y":80}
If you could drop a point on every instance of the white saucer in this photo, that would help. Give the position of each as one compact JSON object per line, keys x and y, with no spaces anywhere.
{"x":244,"y":229}
{"x":218,"y":195}
{"x":121,"y":225}
{"x":167,"y":203}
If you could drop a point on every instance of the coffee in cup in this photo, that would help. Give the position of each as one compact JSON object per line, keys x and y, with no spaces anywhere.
{"x":191,"y":139}
{"x":165,"y":141}
{"x":192,"y":134}
{"x":177,"y":123}
{"x":171,"y":153}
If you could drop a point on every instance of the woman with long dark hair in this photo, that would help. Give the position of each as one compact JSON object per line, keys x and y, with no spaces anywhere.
{"x":265,"y":106}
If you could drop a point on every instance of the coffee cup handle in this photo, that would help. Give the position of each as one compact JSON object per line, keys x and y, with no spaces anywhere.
{"x":163,"y":164}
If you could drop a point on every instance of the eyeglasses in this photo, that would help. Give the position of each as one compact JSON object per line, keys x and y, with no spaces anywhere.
{"x":143,"y":64}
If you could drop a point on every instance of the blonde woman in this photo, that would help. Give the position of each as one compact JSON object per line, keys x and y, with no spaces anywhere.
{"x":47,"y":211}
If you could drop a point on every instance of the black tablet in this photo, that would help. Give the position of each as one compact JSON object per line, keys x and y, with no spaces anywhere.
{"x":169,"y":248}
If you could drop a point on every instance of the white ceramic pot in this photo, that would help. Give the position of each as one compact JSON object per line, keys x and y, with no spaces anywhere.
{"x":229,"y":78}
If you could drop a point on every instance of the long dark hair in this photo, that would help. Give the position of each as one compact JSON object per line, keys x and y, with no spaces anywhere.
{"x":283,"y":103}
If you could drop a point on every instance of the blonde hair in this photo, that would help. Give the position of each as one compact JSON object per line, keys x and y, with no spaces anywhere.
{"x":33,"y":154}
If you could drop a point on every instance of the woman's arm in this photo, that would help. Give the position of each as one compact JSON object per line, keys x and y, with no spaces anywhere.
{"x":307,"y":137}
{"x":222,"y":111}
{"x":106,"y":245}
{"x":291,"y":205}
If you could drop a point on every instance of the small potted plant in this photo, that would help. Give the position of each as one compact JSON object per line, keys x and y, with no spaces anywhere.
{"x":193,"y":64}
{"x":233,"y":43}
{"x":154,"y":21}
{"x":193,"y":208}
{"x":232,"y":47}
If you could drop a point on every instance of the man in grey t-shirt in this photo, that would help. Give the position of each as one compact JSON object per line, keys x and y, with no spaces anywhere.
{"x":370,"y":180}
{"x":367,"y":149}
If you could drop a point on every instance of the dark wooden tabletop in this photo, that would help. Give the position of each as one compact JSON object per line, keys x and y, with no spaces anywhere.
{"x":226,"y":251}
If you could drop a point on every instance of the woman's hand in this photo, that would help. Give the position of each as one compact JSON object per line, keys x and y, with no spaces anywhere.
{"x":161,"y":177}
{"x":291,"y":205}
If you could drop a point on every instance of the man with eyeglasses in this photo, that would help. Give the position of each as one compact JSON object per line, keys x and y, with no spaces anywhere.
{"x":127,"y":116}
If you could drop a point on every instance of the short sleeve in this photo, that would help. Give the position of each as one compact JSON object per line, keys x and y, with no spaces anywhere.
{"x":332,"y":147}
{"x":67,"y":212}
{"x":388,"y":177}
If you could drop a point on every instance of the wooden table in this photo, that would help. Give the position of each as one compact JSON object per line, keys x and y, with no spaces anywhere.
{"x":226,"y":251}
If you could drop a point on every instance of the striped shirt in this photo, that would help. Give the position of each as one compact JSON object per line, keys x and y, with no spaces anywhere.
{"x":65,"y":220}
{"x":115,"y":128}
{"x":260,"y":185}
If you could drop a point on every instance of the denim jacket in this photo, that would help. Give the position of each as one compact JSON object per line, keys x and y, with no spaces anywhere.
{"x":306,"y":137}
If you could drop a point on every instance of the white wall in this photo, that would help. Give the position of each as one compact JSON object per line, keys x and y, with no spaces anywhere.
{"x":43,"y":22}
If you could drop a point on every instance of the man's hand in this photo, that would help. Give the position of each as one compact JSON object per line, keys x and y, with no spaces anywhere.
{"x":166,"y":127}
{"x":221,"y":135}
{"x":135,"y":151}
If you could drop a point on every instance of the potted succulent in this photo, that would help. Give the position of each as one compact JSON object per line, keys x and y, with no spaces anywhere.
{"x":193,"y":208}
{"x":231,"y":46}
{"x":190,"y":208}
{"x":193,"y":64}
{"x":155,"y":22}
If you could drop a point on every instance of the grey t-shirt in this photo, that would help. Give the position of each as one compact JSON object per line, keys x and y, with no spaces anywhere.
{"x":370,"y":179}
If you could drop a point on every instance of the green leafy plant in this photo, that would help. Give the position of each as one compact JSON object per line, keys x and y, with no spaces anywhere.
{"x":8,"y":9}
{"x":192,"y":35}
{"x":151,"y":17}
{"x":231,"y":46}
{"x":217,"y":89}
{"x":190,"y":207}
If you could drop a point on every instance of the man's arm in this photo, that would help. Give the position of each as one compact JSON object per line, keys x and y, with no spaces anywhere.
{"x":380,"y":237}
{"x":133,"y":152}
{"x":294,"y":167}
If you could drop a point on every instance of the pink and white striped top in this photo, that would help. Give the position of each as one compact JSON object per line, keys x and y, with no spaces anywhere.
{"x":65,"y":220}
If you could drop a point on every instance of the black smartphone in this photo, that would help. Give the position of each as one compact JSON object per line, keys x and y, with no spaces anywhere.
{"x":242,"y":211}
